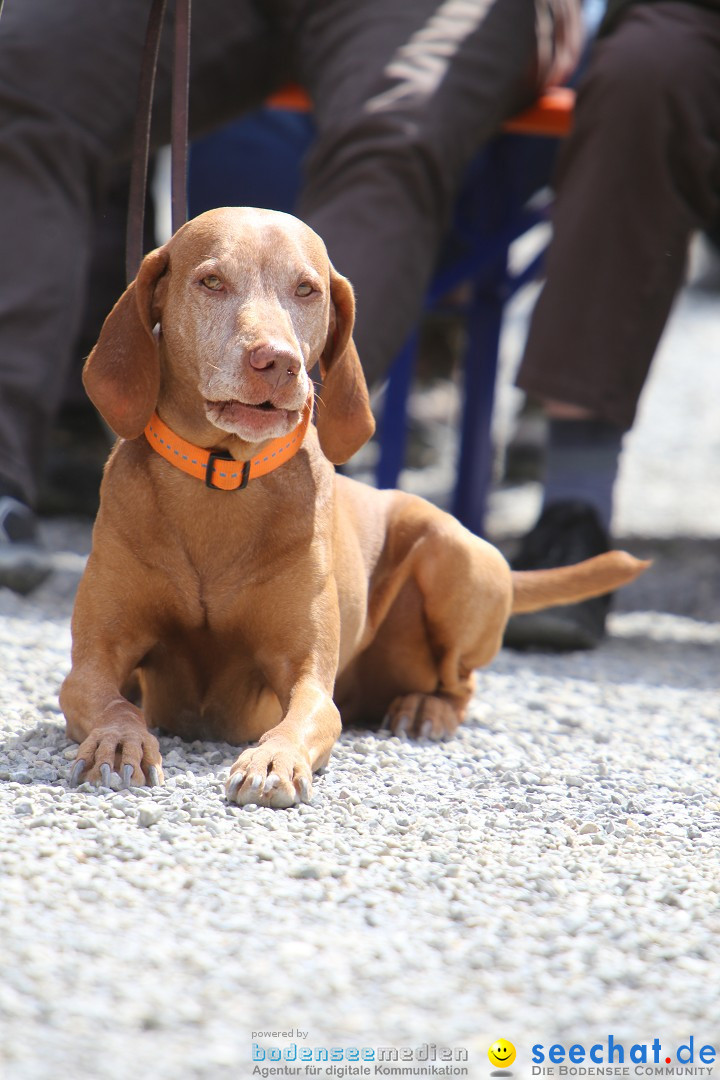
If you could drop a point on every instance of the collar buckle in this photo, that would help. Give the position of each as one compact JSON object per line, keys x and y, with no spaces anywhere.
{"x":223,"y":455}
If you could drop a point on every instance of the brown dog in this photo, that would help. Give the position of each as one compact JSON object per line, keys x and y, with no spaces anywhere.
{"x":264,"y":613}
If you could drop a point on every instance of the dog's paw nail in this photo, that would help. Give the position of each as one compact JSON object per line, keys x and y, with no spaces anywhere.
{"x":385,"y":722}
{"x":77,"y":770}
{"x":105,"y":773}
{"x":426,"y":729}
{"x":127,"y":773}
{"x":271,"y":783}
{"x":153,"y":776}
{"x":305,"y":789}
{"x":256,"y":785}
{"x":233,"y":785}
{"x":402,"y":725}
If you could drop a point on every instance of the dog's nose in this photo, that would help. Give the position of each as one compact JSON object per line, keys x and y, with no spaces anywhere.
{"x":274,"y":358}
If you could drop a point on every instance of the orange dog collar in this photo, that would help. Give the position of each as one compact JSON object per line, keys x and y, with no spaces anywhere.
{"x":216,"y":467}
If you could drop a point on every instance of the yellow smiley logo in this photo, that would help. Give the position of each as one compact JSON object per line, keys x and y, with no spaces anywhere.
{"x":501,"y":1053}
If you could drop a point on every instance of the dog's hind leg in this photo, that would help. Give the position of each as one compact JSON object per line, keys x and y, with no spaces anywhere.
{"x":446,"y":620}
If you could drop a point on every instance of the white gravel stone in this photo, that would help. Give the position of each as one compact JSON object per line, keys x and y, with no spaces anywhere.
{"x":573,"y":780}
{"x":149,"y":814}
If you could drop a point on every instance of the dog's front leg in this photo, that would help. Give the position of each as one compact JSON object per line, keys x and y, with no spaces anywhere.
{"x":301,"y":668}
{"x":112,"y":732}
{"x":120,"y":742}
{"x":278,"y":771}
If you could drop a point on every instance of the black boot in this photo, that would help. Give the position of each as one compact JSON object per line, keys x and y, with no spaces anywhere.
{"x":24,"y":563}
{"x":567,"y":532}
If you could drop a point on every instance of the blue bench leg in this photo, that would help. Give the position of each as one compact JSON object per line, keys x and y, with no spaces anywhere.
{"x":474,"y":473}
{"x":393,"y":425}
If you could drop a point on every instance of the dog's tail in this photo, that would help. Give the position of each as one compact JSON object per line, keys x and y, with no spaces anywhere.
{"x":537,"y":589}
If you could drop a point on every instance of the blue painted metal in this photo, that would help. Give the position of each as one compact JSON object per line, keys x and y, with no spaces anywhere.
{"x":392,"y":429}
{"x":491,"y":213}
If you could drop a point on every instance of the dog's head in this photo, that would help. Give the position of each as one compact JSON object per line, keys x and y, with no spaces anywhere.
{"x":220,"y":330}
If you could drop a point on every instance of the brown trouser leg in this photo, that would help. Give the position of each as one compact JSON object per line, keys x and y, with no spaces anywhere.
{"x":405,"y":95}
{"x":640,"y":172}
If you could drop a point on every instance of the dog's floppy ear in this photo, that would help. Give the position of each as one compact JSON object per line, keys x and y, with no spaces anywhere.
{"x":122,"y":373}
{"x":343,"y":417}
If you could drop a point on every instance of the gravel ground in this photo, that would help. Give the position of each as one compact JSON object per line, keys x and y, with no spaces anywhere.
{"x":549,"y":875}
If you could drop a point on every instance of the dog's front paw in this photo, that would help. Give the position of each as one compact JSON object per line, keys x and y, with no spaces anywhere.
{"x":125,"y":748}
{"x":423,"y":716}
{"x":273,"y":774}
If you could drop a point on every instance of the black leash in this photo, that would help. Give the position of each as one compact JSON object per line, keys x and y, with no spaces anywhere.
{"x":178,"y":128}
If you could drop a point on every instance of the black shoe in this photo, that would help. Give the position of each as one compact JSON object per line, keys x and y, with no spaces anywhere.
{"x":23,"y":563}
{"x":567,"y":532}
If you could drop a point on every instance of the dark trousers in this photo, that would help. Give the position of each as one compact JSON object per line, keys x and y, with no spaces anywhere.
{"x":405,"y":92}
{"x":640,"y":173}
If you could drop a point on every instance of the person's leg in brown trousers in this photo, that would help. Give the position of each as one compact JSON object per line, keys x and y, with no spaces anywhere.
{"x":639,"y":173}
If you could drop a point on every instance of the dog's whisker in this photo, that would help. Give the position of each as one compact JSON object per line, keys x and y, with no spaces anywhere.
{"x":318,"y":388}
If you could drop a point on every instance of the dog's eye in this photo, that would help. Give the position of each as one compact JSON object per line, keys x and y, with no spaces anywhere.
{"x":212,"y":281}
{"x":304,"y":289}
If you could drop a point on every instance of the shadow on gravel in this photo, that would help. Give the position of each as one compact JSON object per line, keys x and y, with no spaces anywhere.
{"x":645,"y":658}
{"x":683,"y":580}
{"x":35,"y":755}
{"x":625,"y":658}
{"x":43,"y":754}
